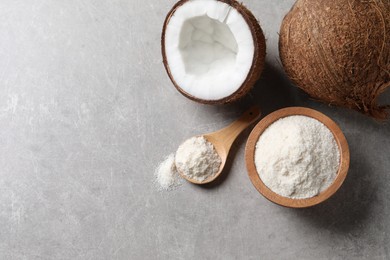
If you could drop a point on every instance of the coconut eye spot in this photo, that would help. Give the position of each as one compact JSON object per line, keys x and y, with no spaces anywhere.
{"x":207,"y":46}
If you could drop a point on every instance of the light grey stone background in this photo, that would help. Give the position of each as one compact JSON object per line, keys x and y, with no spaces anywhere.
{"x":87,"y":112}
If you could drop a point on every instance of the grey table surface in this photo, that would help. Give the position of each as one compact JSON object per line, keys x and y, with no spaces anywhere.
{"x":87,"y":112}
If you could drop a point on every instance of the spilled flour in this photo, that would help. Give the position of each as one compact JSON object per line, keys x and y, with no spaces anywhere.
{"x":166,"y":176}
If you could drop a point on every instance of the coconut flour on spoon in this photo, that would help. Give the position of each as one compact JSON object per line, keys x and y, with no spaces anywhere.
{"x":196,"y":158}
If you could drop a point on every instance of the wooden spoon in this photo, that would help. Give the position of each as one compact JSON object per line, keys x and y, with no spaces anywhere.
{"x":223,"y":139}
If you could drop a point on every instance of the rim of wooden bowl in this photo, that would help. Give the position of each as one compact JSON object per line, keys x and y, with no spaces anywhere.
{"x":285,"y":201}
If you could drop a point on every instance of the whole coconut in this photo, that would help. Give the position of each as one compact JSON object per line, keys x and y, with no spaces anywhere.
{"x":339,"y":51}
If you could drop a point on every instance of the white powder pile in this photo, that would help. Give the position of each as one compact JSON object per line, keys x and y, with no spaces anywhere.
{"x":167,"y":177}
{"x":297,"y":157}
{"x":197,"y":159}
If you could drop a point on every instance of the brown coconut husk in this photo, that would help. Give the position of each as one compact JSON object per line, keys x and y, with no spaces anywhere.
{"x":258,"y":55}
{"x":339,"y":51}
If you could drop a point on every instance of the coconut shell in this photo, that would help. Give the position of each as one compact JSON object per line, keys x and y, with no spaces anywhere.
{"x":339,"y":51}
{"x":258,"y":56}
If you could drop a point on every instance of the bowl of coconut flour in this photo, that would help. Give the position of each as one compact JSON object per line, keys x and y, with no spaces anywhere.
{"x":297,"y":157}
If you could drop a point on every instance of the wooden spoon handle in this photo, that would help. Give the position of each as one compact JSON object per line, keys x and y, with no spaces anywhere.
{"x":230,"y":133}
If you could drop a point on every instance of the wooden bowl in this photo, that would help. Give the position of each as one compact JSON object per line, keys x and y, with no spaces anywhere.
{"x":285,"y":201}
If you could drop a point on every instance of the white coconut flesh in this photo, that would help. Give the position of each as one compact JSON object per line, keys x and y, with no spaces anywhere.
{"x":209,"y":49}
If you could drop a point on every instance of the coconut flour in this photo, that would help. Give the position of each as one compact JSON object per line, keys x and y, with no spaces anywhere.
{"x":297,"y":157}
{"x":197,"y":159}
{"x":167,"y":177}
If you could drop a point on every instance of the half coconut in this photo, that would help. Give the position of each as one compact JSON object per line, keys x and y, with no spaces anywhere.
{"x":213,"y":50}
